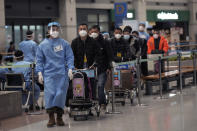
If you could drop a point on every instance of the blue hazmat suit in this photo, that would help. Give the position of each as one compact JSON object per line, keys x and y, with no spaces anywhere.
{"x":54,"y":58}
{"x":2,"y":72}
{"x":26,"y":71}
{"x":144,"y":35}
{"x":28,"y":47}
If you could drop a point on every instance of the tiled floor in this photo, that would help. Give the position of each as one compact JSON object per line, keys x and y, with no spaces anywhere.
{"x":178,"y":113}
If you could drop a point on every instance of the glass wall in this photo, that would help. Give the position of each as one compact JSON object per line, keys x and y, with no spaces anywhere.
{"x":39,"y":33}
{"x":24,"y":28}
{"x":17,"y":33}
{"x":104,"y":22}
{"x":94,"y":17}
{"x":99,"y":19}
{"x":8,"y":32}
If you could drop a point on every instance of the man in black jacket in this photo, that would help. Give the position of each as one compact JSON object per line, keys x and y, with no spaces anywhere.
{"x":143,"y":52}
{"x":133,"y":42}
{"x":103,"y":60}
{"x":120,"y":47}
{"x":85,"y":50}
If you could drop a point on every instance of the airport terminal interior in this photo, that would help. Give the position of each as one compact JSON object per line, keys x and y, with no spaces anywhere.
{"x":104,"y":65}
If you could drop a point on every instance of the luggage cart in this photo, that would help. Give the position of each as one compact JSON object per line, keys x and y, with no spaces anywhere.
{"x":123,"y":87}
{"x":82,"y":103}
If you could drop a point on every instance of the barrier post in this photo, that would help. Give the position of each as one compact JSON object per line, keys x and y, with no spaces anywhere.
{"x":113,"y":91}
{"x":113,"y":94}
{"x":32,"y":66}
{"x":138,"y":81}
{"x":33,"y":85}
{"x":180,"y":73}
{"x":96,"y":80}
{"x":161,"y":97}
{"x":160,"y":79}
{"x":168,"y":64}
{"x":194,"y":66}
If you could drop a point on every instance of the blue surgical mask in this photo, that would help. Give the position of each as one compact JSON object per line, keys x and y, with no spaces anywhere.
{"x":126,"y":37}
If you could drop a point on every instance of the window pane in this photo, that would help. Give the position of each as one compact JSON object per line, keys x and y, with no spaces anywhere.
{"x":91,"y":24}
{"x":32,"y":28}
{"x":104,"y":27}
{"x":25,"y":28}
{"x":46,"y":30}
{"x":8,"y":31}
{"x":17,"y":35}
{"x":103,"y":18}
{"x":39,"y":33}
{"x":92,"y":18}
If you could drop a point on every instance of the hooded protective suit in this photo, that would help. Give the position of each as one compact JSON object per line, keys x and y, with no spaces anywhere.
{"x":28,"y":47}
{"x":26,"y":71}
{"x":54,"y":58}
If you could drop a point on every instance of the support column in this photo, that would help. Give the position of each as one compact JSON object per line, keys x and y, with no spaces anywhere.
{"x":140,"y":9}
{"x":2,"y":26}
{"x":67,"y":19}
{"x":193,"y":20}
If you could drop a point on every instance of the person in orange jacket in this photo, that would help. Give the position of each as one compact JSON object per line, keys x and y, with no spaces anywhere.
{"x":157,"y":44}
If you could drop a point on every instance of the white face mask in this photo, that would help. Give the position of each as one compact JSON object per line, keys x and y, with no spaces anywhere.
{"x":126,"y":37}
{"x":83,"y":33}
{"x":155,"y":36}
{"x":90,"y":35}
{"x":54,"y":34}
{"x":94,"y":35}
{"x":141,"y":28}
{"x":117,"y":36}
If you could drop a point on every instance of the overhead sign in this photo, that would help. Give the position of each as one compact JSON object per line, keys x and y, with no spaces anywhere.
{"x":167,"y":16}
{"x":129,"y":15}
{"x":120,"y":12}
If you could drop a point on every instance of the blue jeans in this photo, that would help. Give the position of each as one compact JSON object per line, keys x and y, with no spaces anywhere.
{"x":101,"y":85}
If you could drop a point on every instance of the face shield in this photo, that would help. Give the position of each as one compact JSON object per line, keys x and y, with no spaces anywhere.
{"x":54,"y":29}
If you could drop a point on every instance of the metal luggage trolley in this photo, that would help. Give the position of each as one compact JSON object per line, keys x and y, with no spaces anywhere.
{"x":123,"y":87}
{"x":80,"y":105}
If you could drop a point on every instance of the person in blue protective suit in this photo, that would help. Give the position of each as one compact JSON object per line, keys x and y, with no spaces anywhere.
{"x":142,"y":33}
{"x":29,"y":47}
{"x":26,"y":71}
{"x":55,"y":62}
